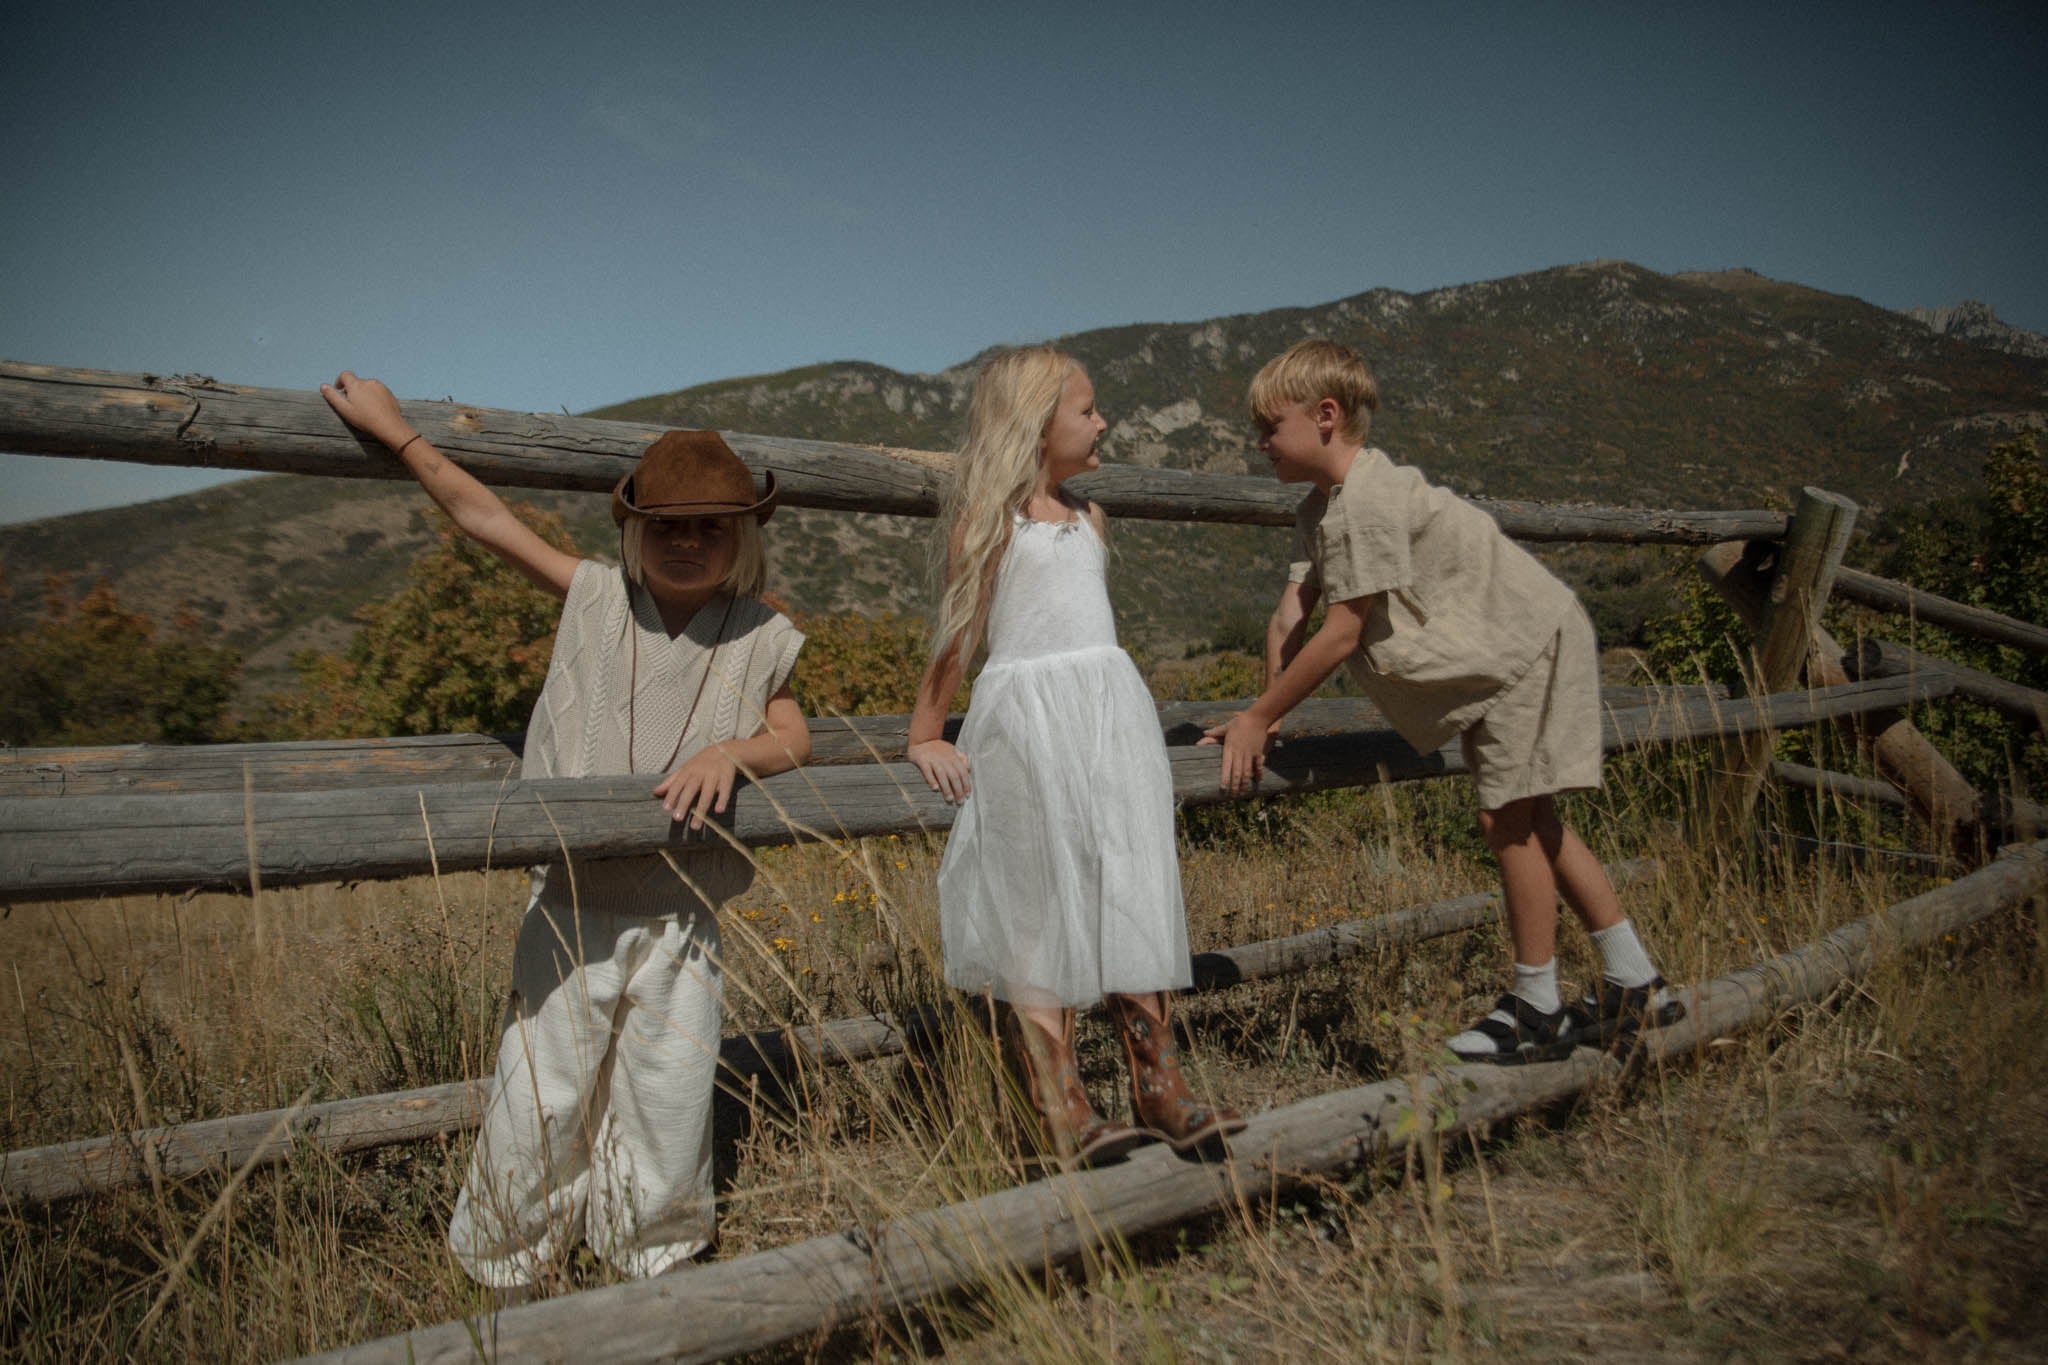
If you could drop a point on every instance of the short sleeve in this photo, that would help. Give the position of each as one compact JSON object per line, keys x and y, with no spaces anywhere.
{"x":1364,"y":549}
{"x":1366,"y":562}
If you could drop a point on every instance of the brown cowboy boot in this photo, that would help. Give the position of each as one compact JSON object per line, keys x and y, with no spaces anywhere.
{"x":1159,"y":1089}
{"x":1073,"y":1131}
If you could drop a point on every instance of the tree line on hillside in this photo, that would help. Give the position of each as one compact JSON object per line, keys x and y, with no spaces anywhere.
{"x":464,"y":645}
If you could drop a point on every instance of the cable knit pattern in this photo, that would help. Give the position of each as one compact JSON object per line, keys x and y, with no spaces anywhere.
{"x":598,"y":695}
{"x":600,"y":1125}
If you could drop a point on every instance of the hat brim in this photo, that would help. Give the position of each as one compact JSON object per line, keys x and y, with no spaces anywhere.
{"x":623,"y":505}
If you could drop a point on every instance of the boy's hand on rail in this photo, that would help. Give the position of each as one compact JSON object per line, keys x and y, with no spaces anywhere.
{"x":1246,"y":742}
{"x":703,"y":784}
{"x":944,"y":767}
{"x":369,"y":407}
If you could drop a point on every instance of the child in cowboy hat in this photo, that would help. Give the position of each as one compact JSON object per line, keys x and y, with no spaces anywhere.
{"x":599,"y":1125}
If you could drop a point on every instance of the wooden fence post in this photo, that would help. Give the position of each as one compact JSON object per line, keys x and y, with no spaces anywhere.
{"x":1790,"y":615}
{"x":1937,"y":793}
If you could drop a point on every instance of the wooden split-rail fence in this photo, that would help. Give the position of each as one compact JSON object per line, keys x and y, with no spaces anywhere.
{"x":125,"y":819}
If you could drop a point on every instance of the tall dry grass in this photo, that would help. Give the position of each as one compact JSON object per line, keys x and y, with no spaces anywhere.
{"x":1861,"y":1179}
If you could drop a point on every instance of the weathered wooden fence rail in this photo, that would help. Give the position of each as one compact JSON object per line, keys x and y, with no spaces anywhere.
{"x":1882,"y":659}
{"x":197,"y":421}
{"x":320,"y":765}
{"x":1882,"y":594}
{"x":1779,"y":589}
{"x":872,"y":1273}
{"x":41,"y":1175}
{"x":92,"y":845}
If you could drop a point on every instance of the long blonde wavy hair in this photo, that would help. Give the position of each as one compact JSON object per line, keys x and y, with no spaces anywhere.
{"x":1014,"y":399}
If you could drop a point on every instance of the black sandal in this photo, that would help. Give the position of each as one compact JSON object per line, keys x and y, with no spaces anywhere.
{"x":1533,"y":1037}
{"x":1610,"y":1016}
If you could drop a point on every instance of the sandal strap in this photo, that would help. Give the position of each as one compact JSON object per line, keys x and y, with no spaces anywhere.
{"x":1531,"y":1026}
{"x":1610,"y":1001}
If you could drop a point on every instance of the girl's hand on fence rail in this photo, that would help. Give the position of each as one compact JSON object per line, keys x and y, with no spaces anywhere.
{"x":1246,"y":741}
{"x":369,"y":407}
{"x":944,"y":767}
{"x":703,"y":784}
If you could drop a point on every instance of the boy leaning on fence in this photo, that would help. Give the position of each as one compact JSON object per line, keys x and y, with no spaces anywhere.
{"x":1453,"y":630}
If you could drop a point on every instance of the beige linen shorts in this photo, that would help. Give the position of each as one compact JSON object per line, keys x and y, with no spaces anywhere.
{"x":1542,"y":734}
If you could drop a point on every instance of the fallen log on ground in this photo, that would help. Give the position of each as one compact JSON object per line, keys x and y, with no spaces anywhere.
{"x":128,"y":844}
{"x":875,"y":1273}
{"x":42,"y":1175}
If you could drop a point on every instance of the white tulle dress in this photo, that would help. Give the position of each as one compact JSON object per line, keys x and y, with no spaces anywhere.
{"x":1061,"y":882}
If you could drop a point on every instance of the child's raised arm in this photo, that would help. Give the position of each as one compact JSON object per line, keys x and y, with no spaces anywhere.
{"x":369,"y":407}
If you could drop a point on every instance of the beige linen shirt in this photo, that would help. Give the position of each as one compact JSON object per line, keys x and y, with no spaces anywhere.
{"x":1462,"y":611}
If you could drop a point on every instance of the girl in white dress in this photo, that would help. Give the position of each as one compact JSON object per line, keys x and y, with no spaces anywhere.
{"x":1060,"y":884}
{"x":599,"y":1124}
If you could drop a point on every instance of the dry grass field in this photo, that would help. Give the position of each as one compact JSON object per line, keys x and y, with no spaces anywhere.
{"x":1867,"y":1179}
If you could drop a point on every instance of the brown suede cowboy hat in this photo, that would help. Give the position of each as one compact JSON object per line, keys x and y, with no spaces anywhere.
{"x":690,"y":474}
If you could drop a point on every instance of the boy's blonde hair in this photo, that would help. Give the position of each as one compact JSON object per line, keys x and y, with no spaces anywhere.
{"x":748,"y":576}
{"x":1310,"y":371}
{"x":1014,"y":399}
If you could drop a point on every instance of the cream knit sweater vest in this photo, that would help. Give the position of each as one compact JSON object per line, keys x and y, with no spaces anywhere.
{"x":598,"y":691}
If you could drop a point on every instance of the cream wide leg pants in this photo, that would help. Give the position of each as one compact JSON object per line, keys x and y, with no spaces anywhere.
{"x":600,"y":1124}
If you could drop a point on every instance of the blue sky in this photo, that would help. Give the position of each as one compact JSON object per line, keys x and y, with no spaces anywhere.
{"x":528,"y":209}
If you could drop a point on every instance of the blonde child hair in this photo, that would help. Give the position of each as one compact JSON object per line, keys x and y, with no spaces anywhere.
{"x":1014,"y":399}
{"x":1311,"y":370}
{"x":748,"y":576}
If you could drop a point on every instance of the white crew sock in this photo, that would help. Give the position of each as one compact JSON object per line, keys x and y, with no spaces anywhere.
{"x":1622,"y":957}
{"x":1536,"y":985}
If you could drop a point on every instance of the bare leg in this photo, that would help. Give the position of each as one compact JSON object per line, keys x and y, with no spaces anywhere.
{"x":1528,"y":881}
{"x":1528,"y":1023}
{"x":1584,"y":881}
{"x":1051,"y":1018}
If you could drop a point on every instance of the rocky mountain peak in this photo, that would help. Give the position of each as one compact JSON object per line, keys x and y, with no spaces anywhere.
{"x":1974,"y":322}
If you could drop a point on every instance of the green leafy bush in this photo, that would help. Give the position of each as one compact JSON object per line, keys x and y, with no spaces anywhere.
{"x":91,"y":672}
{"x":855,"y":665}
{"x":463,"y":647}
{"x":1988,"y":550}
